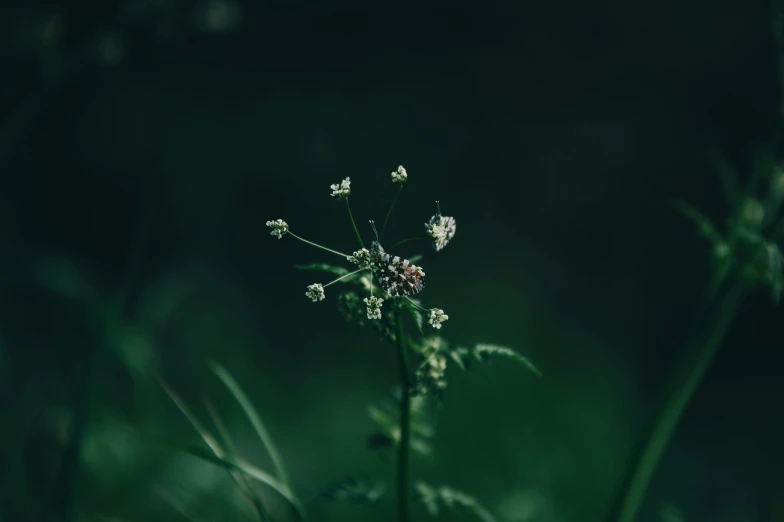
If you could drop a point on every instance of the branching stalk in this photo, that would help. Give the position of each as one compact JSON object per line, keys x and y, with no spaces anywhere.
{"x":699,"y":355}
{"x":292,"y":234}
{"x":389,"y":212}
{"x":403,"y":460}
{"x":356,"y":231}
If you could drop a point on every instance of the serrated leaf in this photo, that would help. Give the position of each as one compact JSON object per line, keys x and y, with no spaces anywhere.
{"x":456,"y":501}
{"x":703,"y":224}
{"x":353,"y":490}
{"x":324,"y":267}
{"x":483,"y":352}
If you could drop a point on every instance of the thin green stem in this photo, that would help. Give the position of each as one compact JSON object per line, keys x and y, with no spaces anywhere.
{"x":292,"y":234}
{"x":686,"y":380}
{"x":407,"y":240}
{"x":343,"y":277}
{"x":356,"y":231}
{"x":403,"y":456}
{"x":389,"y":212}
{"x":416,"y":305}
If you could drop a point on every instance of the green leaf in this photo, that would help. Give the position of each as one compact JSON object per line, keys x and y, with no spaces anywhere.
{"x":415,"y":259}
{"x":324,"y":267}
{"x":238,"y":465}
{"x":419,"y":319}
{"x":703,"y":224}
{"x":353,"y":490}
{"x":254,"y":418}
{"x":727,"y":176}
{"x":456,"y":501}
{"x":462,"y":358}
{"x":483,"y":352}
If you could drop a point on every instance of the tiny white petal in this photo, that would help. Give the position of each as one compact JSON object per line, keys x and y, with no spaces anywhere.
{"x":315,"y":292}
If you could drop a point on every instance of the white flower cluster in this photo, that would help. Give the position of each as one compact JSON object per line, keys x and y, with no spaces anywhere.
{"x":373,"y":307}
{"x":442,"y":229}
{"x":400,"y":175}
{"x":361,"y":258}
{"x":342,"y":190}
{"x":315,"y":292}
{"x":279,"y":228}
{"x":437,"y":316}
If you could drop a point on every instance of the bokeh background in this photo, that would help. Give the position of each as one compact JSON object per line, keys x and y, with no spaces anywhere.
{"x":144,"y":144}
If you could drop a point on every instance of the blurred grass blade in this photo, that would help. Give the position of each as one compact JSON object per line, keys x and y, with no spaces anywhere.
{"x":239,"y":479}
{"x":207,"y":437}
{"x":240,"y":466}
{"x":254,"y":418}
{"x":202,"y":431}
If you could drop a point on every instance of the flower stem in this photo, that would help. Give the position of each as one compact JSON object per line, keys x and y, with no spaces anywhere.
{"x":403,"y":459}
{"x":416,"y":305}
{"x":344,"y":256}
{"x":356,"y":231}
{"x":343,"y":277}
{"x":686,"y":379}
{"x":389,"y":212}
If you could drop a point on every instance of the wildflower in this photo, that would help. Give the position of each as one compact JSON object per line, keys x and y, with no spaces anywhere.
{"x":279,"y":228}
{"x":442,"y":229}
{"x":437,"y":316}
{"x":373,"y":307}
{"x":431,"y":374}
{"x":343,"y":189}
{"x":400,"y":175}
{"x":315,"y":292}
{"x":361,"y":258}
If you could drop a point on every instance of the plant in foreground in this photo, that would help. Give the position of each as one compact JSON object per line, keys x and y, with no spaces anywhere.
{"x":378,"y":293}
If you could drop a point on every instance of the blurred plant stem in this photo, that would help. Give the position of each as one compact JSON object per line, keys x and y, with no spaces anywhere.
{"x":700,"y":352}
{"x":403,"y":456}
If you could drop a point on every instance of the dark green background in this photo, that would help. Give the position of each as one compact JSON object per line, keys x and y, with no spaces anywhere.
{"x":554,"y":133}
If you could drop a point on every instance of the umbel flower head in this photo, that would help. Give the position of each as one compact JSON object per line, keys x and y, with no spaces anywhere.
{"x":441,"y":229}
{"x":398,"y":278}
{"x":341,"y":190}
{"x":400,"y":175}
{"x":437,"y":316}
{"x":279,"y":228}
{"x":315,"y":292}
{"x":361,"y":258}
{"x":373,"y":307}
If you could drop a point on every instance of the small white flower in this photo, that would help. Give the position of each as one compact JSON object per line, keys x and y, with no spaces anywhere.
{"x":279,"y":228}
{"x":441,"y":229}
{"x":437,"y":316}
{"x":400,"y":175}
{"x":315,"y":292}
{"x":373,"y":307}
{"x":342,"y":190}
{"x":361,"y":258}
